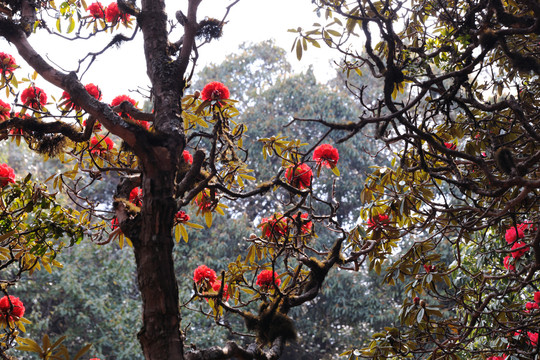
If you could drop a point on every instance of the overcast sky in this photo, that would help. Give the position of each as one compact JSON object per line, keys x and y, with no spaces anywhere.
{"x":122,"y":69}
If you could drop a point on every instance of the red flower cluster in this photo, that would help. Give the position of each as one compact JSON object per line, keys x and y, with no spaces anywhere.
{"x":531,"y":306}
{"x":274,"y":227}
{"x":99,"y":145}
{"x":515,"y":232}
{"x":520,"y":248}
{"x":429,"y":268}
{"x":4,"y":111}
{"x":299,"y":175}
{"x":90,"y":88}
{"x":204,"y":201}
{"x":203,"y":273}
{"x":34,"y":97}
{"x":265,"y":277}
{"x":181,"y":217}
{"x":6,"y":307}
{"x":533,"y":338}
{"x":96,"y":10}
{"x":378,"y":220}
{"x":188,"y":159}
{"x":120,"y":99}
{"x":507,"y":263}
{"x":503,"y":357}
{"x":216,"y":285}
{"x":326,"y":155}
{"x":7,"y":175}
{"x":450,"y":146}
{"x":537,"y":297}
{"x":113,"y":14}
{"x":214,"y":91}
{"x":7,"y":64}
{"x":114,"y":223}
{"x":306,"y":225}
{"x":135,"y":196}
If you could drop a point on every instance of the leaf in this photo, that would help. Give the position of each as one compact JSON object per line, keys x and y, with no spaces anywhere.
{"x":335,"y":170}
{"x":29,"y":345}
{"x":208,"y":219}
{"x":420,"y":315}
{"x":184,"y":232}
{"x":298,"y":50}
{"x":177,"y":234}
{"x":83,"y":351}
{"x":58,"y":27}
{"x":71,"y":26}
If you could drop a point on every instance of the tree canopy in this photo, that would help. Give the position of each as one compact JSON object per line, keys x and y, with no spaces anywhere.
{"x":452,"y":101}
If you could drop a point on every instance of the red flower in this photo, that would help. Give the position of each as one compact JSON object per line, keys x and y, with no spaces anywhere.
{"x":114,"y":223}
{"x":90,"y":88}
{"x":120,"y":99}
{"x":7,"y":175}
{"x":378,"y":220}
{"x":450,"y":146}
{"x":216,"y":285}
{"x":96,"y":10}
{"x":522,"y":250}
{"x":306,"y":225}
{"x":5,"y":307}
{"x":530,"y":306}
{"x":97,"y":125}
{"x":264,"y":279}
{"x":144,"y":124}
{"x":503,"y":357}
{"x":537,"y":297}
{"x":188,"y":159}
{"x":326,"y":155}
{"x":181,"y":217}
{"x":4,"y":110}
{"x":7,"y":64}
{"x":533,"y":338}
{"x":429,"y":268}
{"x":99,"y":145}
{"x":214,"y":91}
{"x":507,"y":264}
{"x":511,"y":234}
{"x":274,"y":227}
{"x":113,"y":14}
{"x":302,"y":175}
{"x":135,"y":196}
{"x":34,"y":97}
{"x":204,"y":201}
{"x":204,"y":273}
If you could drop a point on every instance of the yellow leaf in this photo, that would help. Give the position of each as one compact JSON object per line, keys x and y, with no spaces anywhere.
{"x":184,"y":232}
{"x":208,"y":218}
{"x":335,"y":170}
{"x":177,"y":234}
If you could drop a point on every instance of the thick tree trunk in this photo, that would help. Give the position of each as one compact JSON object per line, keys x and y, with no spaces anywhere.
{"x":160,"y":336}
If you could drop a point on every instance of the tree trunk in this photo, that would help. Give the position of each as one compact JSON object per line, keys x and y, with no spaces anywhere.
{"x":160,"y":336}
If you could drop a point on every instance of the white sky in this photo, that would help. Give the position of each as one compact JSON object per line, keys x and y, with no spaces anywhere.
{"x":123,"y":69}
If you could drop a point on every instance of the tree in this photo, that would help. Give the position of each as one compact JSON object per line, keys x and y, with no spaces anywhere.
{"x":188,"y":150}
{"x":458,"y":107}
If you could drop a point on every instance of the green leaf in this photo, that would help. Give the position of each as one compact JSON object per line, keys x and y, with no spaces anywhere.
{"x":299,"y":50}
{"x":71,"y":26}
{"x":83,"y":351}
{"x":58,"y":27}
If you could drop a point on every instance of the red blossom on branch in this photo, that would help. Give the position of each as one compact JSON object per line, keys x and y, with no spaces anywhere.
{"x":537,"y":297}
{"x":7,"y":175}
{"x":204,"y":201}
{"x":204,"y":274}
{"x":429,"y":268}
{"x":114,"y":223}
{"x":181,"y":217}
{"x":326,"y":155}
{"x":92,"y":89}
{"x":512,"y":235}
{"x":533,"y":338}
{"x":188,"y":159}
{"x":306,"y":225}
{"x":113,"y":14}
{"x":135,"y":196}
{"x":503,"y":357}
{"x":302,"y":176}
{"x":34,"y":97}
{"x":5,"y":108}
{"x":120,"y":99}
{"x":264,"y":279}
{"x":507,"y":263}
{"x":450,"y":145}
{"x":96,"y":10}
{"x":378,"y":220}
{"x":7,"y":64}
{"x":97,"y":125}
{"x":274,"y":227}
{"x":531,"y":306}
{"x":520,"y":249}
{"x":216,"y":285}
{"x":214,"y":91}
{"x":99,"y":145}
{"x":11,"y":307}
